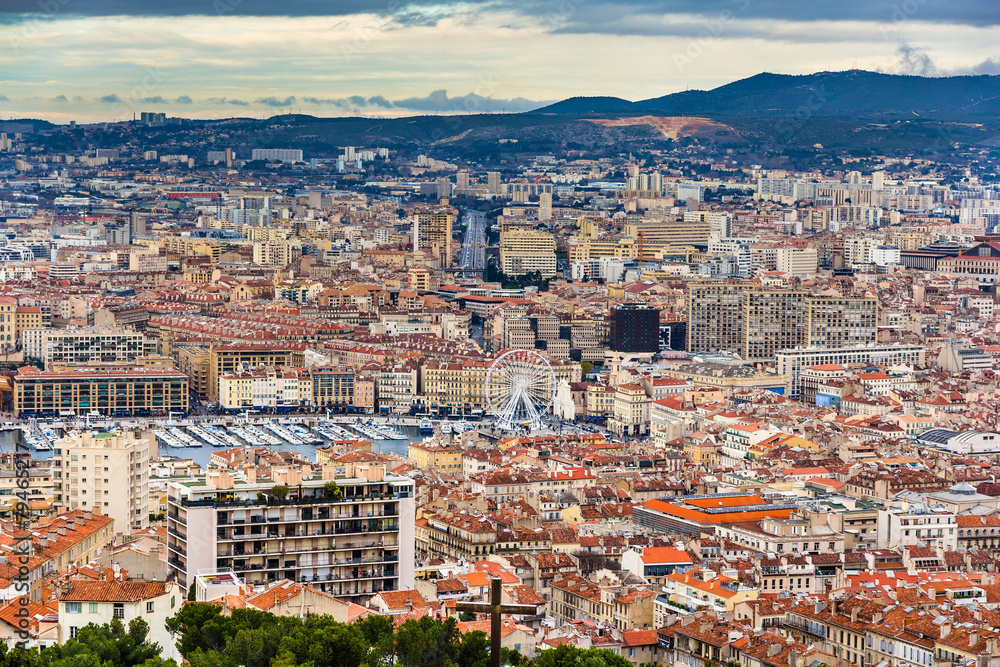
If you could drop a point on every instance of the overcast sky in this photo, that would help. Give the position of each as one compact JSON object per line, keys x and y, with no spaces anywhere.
{"x":107,"y":59}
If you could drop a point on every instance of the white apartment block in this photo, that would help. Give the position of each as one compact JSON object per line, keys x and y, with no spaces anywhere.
{"x":353,"y":544}
{"x":793,"y":361}
{"x":277,"y":154}
{"x":86,"y":345}
{"x":107,"y":473}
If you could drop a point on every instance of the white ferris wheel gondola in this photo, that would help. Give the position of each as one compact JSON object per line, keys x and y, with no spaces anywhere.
{"x":520,"y":388}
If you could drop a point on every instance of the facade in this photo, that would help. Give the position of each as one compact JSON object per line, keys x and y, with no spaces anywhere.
{"x":352,"y":544}
{"x":86,"y":345}
{"x":715,"y":316}
{"x":139,"y":392}
{"x":791,"y":362}
{"x":634,"y":328}
{"x":224,"y":359}
{"x":105,"y":472}
{"x":82,"y":602}
{"x":526,"y":250}
{"x":434,"y":229}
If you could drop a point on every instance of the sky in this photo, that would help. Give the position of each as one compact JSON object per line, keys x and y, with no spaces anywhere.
{"x":105,"y":60}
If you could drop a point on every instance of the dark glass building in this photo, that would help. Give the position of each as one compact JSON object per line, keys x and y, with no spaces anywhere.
{"x":635,"y":327}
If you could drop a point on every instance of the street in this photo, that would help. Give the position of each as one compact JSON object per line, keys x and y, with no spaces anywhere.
{"x":473,"y":254}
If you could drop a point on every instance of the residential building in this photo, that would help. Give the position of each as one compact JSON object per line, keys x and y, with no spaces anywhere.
{"x":140,"y":392}
{"x":106,"y":472}
{"x":352,"y":544}
{"x":526,"y":251}
{"x":86,"y":344}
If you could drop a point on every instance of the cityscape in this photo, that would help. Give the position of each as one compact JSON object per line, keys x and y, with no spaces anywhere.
{"x":526,"y":377}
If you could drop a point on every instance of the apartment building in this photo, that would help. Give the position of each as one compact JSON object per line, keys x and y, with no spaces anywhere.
{"x":86,"y":345}
{"x":106,"y":472}
{"x":139,"y":392}
{"x":715,"y":316}
{"x":266,"y":388}
{"x":332,"y":388}
{"x":276,"y":253}
{"x":630,"y":415}
{"x":526,"y":250}
{"x":433,"y":229}
{"x":351,"y":536}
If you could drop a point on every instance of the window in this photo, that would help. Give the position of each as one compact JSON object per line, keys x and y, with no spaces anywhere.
{"x":72,"y":631}
{"x":93,"y":608}
{"x":149,"y":607}
{"x":74,"y":607}
{"x":119,"y":610}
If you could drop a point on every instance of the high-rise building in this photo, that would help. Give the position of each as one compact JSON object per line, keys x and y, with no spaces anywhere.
{"x":526,"y":250}
{"x":635,"y":327}
{"x":434,"y":228}
{"x":545,"y":206}
{"x":349,"y":535}
{"x":715,"y":316}
{"x":106,"y":473}
{"x":772,"y":320}
{"x":494,"y":184}
{"x":741,"y":318}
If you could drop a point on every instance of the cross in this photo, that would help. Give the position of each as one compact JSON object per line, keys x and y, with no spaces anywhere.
{"x":495,"y":609}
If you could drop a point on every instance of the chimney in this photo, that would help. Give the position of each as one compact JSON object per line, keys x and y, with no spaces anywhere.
{"x":973,"y":639}
{"x":773,"y":650}
{"x":945,"y":630}
{"x":854,"y":614}
{"x":88,"y":515}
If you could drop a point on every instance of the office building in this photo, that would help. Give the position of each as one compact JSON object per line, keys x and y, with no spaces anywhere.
{"x":351,"y":536}
{"x":146,"y":392}
{"x":796,"y":261}
{"x":669,"y":232}
{"x":635,"y":327}
{"x":526,"y":250}
{"x":107,"y":473}
{"x":86,"y":345}
{"x":494,"y":184}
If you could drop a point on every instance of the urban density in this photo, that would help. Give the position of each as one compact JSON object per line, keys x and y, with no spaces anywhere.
{"x":683,"y":402}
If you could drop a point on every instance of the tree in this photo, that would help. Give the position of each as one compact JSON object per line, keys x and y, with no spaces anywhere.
{"x":586,"y":367}
{"x":278,"y":491}
{"x":426,"y":642}
{"x":332,"y":490}
{"x":567,"y":655}
{"x":473,"y":650}
{"x":110,"y":645}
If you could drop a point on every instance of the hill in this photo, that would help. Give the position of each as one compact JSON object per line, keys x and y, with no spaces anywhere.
{"x":852,"y":94}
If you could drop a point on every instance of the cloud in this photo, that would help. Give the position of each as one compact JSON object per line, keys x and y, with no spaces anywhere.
{"x":158,"y":99}
{"x":4,"y":98}
{"x":275,"y":102}
{"x":336,"y":102}
{"x":471,"y":103}
{"x":78,"y":98}
{"x":379,"y":101}
{"x":428,"y":12}
{"x":59,"y":98}
{"x":226,"y":100}
{"x":110,"y":99}
{"x":183,"y":99}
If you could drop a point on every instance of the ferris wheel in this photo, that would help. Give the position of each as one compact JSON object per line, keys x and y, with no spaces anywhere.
{"x":520,"y":387}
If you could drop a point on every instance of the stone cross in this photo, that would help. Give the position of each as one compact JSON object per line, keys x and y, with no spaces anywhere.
{"x":495,"y":609}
